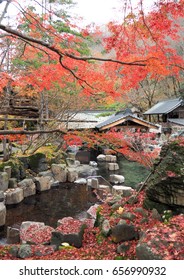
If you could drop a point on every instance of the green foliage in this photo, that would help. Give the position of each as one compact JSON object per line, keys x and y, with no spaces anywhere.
{"x":23,"y":64}
{"x":116,"y":106}
{"x":98,"y":217}
{"x":62,"y":27}
{"x":100,"y":238}
{"x":105,"y":114}
{"x":167,"y":215}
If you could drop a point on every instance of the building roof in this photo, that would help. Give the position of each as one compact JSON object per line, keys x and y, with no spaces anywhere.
{"x":122,"y":117}
{"x":177,"y":121}
{"x":164,"y":107}
{"x":85,"y":119}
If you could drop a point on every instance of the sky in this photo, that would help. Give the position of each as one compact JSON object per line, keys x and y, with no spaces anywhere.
{"x":98,"y":11}
{"x":92,"y":11}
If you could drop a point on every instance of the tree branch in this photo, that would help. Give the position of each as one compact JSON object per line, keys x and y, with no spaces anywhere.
{"x":62,"y":54}
{"x":30,"y":132}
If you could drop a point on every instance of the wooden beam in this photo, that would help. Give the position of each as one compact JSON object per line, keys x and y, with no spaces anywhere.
{"x":30,"y":132}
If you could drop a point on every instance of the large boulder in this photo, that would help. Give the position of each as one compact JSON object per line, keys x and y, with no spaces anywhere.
{"x":124,"y":232}
{"x":162,"y":242}
{"x":70,"y":231}
{"x":7,"y":169}
{"x":2,"y":196}
{"x":36,"y":162}
{"x":28,"y":187}
{"x":18,"y":170}
{"x":13,"y":235}
{"x":165,"y":187}
{"x":72,"y":174}
{"x":122,"y":190}
{"x":14,"y":196}
{"x":117,"y":179}
{"x":2,"y":214}
{"x":59,"y":172}
{"x":35,"y":233}
{"x":4,"y":181}
{"x":43,"y":183}
{"x":113,"y":166}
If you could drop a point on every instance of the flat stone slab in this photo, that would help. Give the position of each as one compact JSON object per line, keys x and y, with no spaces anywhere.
{"x":35,"y":233}
{"x":104,"y":187}
{"x":43,"y":183}
{"x":123,"y":190}
{"x":117,"y":179}
{"x":28,"y":187}
{"x":112,"y":166}
{"x":69,"y":231}
{"x":14,"y":196}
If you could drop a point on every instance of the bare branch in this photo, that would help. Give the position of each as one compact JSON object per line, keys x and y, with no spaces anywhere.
{"x":30,"y":132}
{"x":5,"y":10}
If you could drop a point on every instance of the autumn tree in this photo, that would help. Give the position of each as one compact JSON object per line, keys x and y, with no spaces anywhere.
{"x":155,"y":36}
{"x":50,"y":54}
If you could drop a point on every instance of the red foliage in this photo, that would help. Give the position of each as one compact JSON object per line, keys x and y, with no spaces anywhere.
{"x":68,"y":226}
{"x":36,"y":234}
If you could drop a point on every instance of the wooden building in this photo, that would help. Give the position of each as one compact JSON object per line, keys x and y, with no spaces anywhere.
{"x":126,"y":120}
{"x":168,"y":113}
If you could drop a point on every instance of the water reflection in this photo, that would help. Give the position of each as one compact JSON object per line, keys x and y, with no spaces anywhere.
{"x":66,"y":200}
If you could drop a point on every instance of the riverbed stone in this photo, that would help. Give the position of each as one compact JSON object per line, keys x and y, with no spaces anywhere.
{"x":35,"y":233}
{"x":106,"y":228}
{"x":4,"y":181}
{"x":43,"y":183}
{"x":93,"y":210}
{"x":28,"y":186}
{"x":12,"y":183}
{"x":85,"y":170}
{"x":141,"y":211}
{"x":93,"y":163}
{"x":117,"y":179}
{"x":13,"y":235}
{"x":18,"y":170}
{"x":2,"y":214}
{"x":123,"y":248}
{"x":14,"y":196}
{"x":94,"y":183}
{"x":8,"y":169}
{"x":45,"y":173}
{"x":124,"y":232}
{"x":72,"y":175}
{"x":101,"y":157}
{"x":36,"y":162}
{"x":25,"y":251}
{"x":128,"y":216}
{"x":59,"y":172}
{"x":73,"y":235}
{"x":113,"y":166}
{"x":122,"y":190}
{"x":104,"y":188}
{"x":2,"y":196}
{"x":26,"y":224}
{"x":81,"y":181}
{"x":110,"y":158}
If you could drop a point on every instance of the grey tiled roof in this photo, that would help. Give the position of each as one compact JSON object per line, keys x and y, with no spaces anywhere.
{"x":177,"y":121}
{"x":164,"y":107}
{"x":112,"y":119}
{"x":121,"y":115}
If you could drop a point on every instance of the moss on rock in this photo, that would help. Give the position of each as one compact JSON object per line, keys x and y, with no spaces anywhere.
{"x":17,"y":168}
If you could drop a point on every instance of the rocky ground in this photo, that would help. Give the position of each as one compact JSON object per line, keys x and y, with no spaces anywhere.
{"x":119,"y":228}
